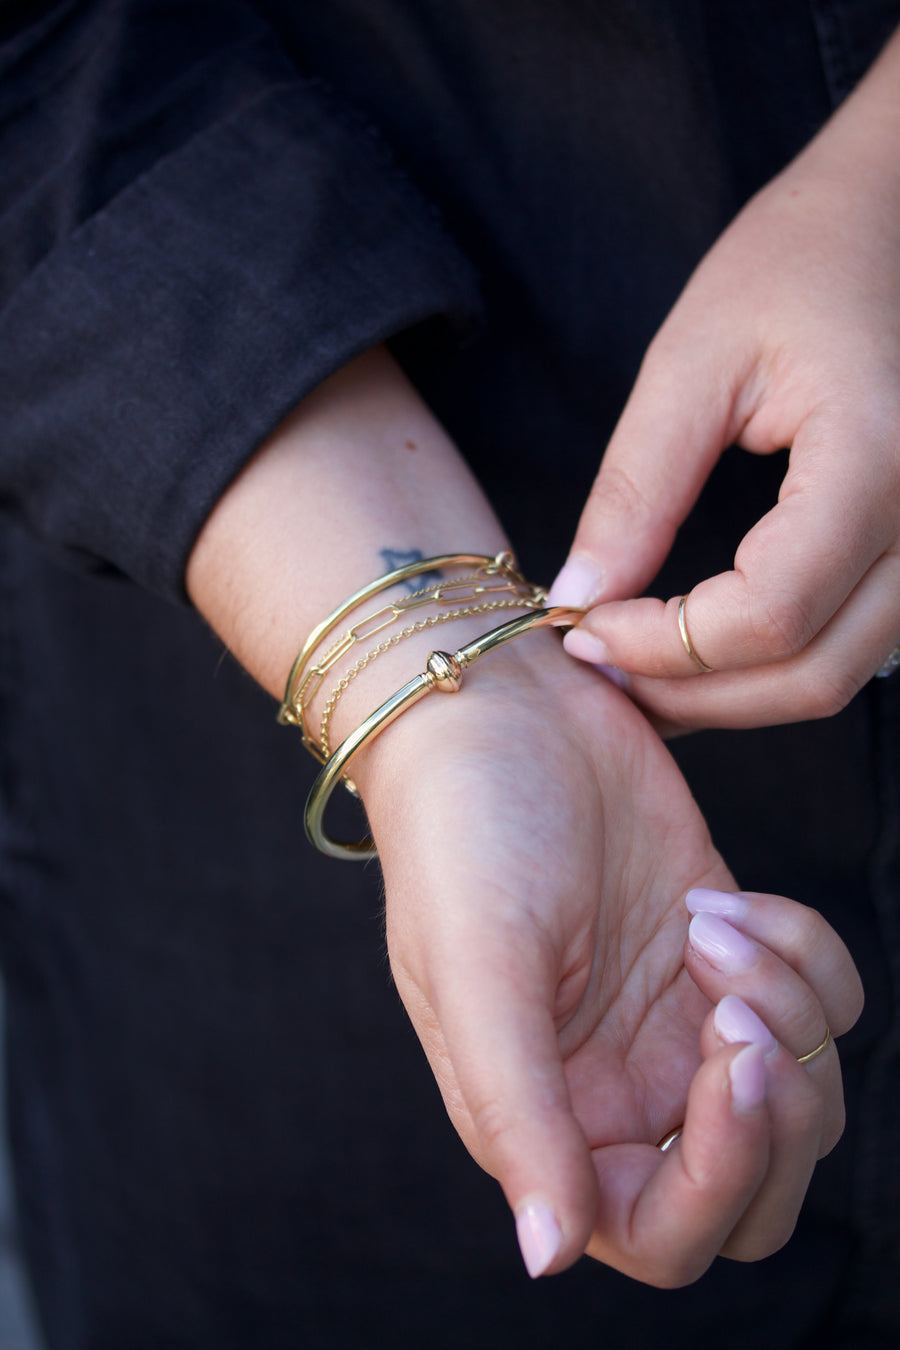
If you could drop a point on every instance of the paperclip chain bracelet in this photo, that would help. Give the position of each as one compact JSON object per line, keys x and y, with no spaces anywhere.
{"x":443,"y":672}
{"x":432,"y":621}
{"x":303,"y":684}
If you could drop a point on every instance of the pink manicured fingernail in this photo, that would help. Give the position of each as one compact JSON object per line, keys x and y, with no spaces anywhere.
{"x":539,"y":1236}
{"x":721,"y":945}
{"x":586,"y":647}
{"x":579,"y":584}
{"x":747,"y":1072}
{"x":724,"y":903}
{"x":735,"y":1022}
{"x":615,"y":676}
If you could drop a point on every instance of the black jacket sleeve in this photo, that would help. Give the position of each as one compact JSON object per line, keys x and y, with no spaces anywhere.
{"x":192,"y":236}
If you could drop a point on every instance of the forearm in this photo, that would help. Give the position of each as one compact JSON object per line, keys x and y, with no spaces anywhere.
{"x":360,"y":469}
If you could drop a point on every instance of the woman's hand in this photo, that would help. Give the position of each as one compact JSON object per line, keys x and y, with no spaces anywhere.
{"x":788,"y":334}
{"x":537,"y":843}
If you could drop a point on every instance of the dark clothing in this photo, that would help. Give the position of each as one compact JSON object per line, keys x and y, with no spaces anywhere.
{"x":224,"y":1131}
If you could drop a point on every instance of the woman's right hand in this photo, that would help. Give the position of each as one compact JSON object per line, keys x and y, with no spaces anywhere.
{"x":786,"y":335}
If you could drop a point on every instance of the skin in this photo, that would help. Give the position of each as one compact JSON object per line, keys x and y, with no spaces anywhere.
{"x":787,"y":335}
{"x":537,"y":842}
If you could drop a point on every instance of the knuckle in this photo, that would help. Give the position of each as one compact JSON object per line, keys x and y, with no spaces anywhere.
{"x":832,"y":1135}
{"x":494,"y":1128}
{"x":617,"y":494}
{"x":781,"y":626}
{"x":854,"y":1002}
{"x":805,"y":929}
{"x":758,"y":1245}
{"x":828,"y":691}
{"x":664,"y":360}
{"x":814,"y":945}
{"x":671,"y":1270}
{"x":816,"y":927}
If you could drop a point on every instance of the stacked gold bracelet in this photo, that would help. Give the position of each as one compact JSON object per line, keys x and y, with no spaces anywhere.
{"x":305,"y":679}
{"x":443,"y":671}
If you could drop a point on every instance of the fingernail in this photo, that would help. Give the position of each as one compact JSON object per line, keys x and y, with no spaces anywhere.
{"x":540,"y":1237}
{"x":579,"y":584}
{"x":721,"y":945}
{"x":735,"y":1022}
{"x":747,"y":1072}
{"x":724,"y":903}
{"x":586,"y":647}
{"x":615,"y":676}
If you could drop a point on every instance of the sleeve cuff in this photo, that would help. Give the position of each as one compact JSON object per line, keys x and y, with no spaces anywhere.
{"x":153,"y":351}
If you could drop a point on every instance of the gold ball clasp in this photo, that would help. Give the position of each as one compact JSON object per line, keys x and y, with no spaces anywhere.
{"x":445,"y":671}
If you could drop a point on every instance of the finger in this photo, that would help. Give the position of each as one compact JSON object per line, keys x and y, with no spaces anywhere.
{"x":792,"y":572}
{"x":663,"y":1218}
{"x":723,"y":961}
{"x":736,"y":1020}
{"x":819,"y":682}
{"x":801,"y":938}
{"x":795,"y":1104}
{"x":512,"y":1107}
{"x":680,"y":416}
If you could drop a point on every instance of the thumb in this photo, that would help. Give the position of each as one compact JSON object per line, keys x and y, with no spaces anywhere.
{"x":678,"y":419}
{"x":501,"y":1075}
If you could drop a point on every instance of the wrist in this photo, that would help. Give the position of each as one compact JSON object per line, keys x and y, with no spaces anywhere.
{"x":858,"y":149}
{"x":359,"y":473}
{"x":509,"y":696}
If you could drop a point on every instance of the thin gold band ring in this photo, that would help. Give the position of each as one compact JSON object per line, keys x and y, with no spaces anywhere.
{"x":685,"y":639}
{"x":819,"y":1050}
{"x":669,"y":1139}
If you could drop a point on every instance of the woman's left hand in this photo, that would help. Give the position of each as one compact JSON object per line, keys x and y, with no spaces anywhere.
{"x":537,"y":842}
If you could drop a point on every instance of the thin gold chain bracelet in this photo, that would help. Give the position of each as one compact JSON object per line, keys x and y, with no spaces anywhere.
{"x":443,"y":672}
{"x":304,"y":684}
{"x":433,"y":620}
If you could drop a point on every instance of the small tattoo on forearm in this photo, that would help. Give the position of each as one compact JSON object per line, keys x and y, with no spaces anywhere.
{"x":396,"y":557}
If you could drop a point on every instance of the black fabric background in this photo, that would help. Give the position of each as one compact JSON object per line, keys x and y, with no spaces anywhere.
{"x":225,"y":1133}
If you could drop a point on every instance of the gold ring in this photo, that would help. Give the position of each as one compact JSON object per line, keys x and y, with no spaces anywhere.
{"x":819,"y":1050}
{"x":685,"y":640}
{"x":669,"y":1139}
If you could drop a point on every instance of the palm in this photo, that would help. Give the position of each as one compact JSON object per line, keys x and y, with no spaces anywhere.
{"x":537,"y":843}
{"x":557,"y":854}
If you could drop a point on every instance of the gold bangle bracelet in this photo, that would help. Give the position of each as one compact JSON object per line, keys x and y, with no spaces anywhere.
{"x":291,"y":711}
{"x":365,"y":661}
{"x":443,"y":673}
